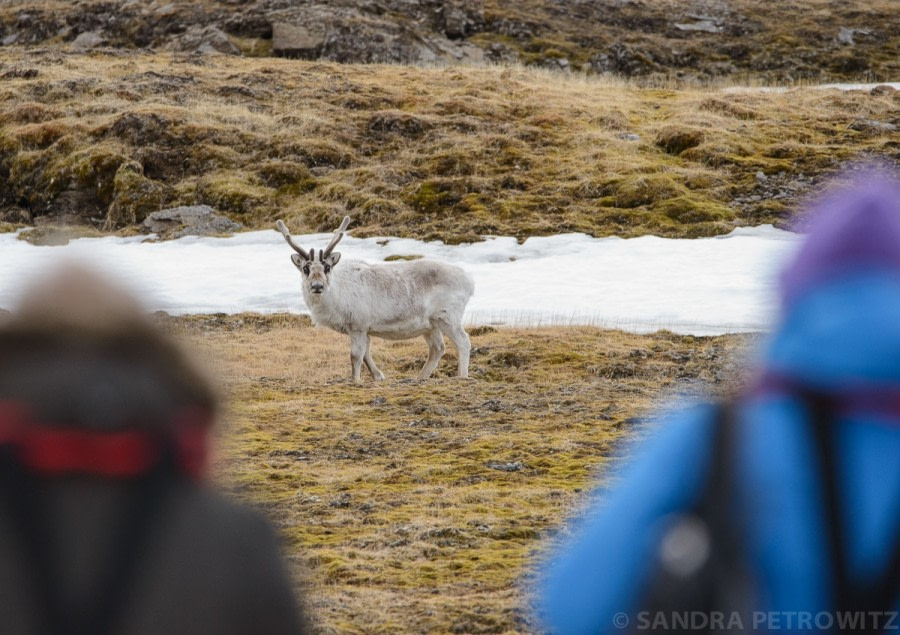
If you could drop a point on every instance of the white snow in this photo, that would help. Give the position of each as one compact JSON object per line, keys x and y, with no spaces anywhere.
{"x":702,"y":286}
{"x":784,"y":89}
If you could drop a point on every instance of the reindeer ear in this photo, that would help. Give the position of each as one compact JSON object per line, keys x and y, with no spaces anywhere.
{"x":333,"y":258}
{"x":298,"y":260}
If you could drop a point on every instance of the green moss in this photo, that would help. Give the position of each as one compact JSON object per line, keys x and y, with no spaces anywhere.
{"x":30,"y":112}
{"x":451,"y":163}
{"x":690,"y":209}
{"x":436,"y":196}
{"x":207,"y":157}
{"x":279,"y":174}
{"x":378,"y":210}
{"x":27,"y":179}
{"x":677,"y":139}
{"x":312,"y":152}
{"x":252,"y":46}
{"x":235,"y":192}
{"x":6,"y":228}
{"x":564,"y":357}
{"x":638,"y":190}
{"x":93,"y":168}
{"x":134,"y":196}
{"x":41,"y":135}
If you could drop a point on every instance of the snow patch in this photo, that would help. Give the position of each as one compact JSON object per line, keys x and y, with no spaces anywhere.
{"x":703,"y":286}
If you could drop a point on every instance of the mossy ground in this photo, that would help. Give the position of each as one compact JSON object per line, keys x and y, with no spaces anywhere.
{"x":413,"y":506}
{"x":449,"y":154}
{"x":760,"y":41}
{"x":811,"y":40}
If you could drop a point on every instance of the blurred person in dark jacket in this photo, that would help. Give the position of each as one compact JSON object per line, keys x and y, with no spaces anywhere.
{"x":106,"y":523}
{"x":794,"y":523}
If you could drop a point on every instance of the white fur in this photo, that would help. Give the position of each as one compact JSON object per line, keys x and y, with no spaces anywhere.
{"x":393,"y":301}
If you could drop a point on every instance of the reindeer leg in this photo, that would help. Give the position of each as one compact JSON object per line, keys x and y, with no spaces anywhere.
{"x":357,"y":353}
{"x":454,"y":330}
{"x":377,"y":375}
{"x":435,"y":351}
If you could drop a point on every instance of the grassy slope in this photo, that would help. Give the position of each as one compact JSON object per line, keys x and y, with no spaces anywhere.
{"x":770,"y":41}
{"x":782,"y":41}
{"x":428,"y":153}
{"x":385,"y":492}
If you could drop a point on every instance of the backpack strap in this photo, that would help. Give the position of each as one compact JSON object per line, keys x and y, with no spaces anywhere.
{"x":873,"y":596}
{"x":720,"y":506}
{"x":714,"y":578}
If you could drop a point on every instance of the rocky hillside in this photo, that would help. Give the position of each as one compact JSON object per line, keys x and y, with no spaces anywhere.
{"x":695,"y":39}
{"x":102,"y":139}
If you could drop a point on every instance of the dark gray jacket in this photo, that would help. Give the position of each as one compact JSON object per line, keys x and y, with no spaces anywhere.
{"x":206,"y":564}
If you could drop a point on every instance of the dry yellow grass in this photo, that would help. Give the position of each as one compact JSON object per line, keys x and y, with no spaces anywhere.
{"x":423,"y":506}
{"x":446,"y":154}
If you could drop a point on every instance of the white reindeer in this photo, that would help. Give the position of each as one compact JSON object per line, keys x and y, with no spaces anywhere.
{"x":394,"y":301}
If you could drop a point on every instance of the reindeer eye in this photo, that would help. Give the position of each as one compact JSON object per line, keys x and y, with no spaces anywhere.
{"x":306,"y":269}
{"x":327,"y":268}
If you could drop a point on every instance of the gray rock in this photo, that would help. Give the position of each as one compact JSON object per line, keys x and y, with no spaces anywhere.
{"x":194,"y":220}
{"x":88,"y":40}
{"x":513,"y":466}
{"x":846,"y":36}
{"x":871,"y":125}
{"x":208,"y":39}
{"x":10,"y":39}
{"x":166,"y":10}
{"x":882,"y":89}
{"x":350,"y":32}
{"x":629,"y":136}
{"x":462,"y":17}
{"x":292,"y":40}
{"x":707,"y":26}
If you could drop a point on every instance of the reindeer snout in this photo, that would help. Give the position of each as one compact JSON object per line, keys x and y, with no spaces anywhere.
{"x":317,"y":286}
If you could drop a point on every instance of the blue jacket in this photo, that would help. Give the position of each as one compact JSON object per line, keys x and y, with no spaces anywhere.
{"x":840,"y":329}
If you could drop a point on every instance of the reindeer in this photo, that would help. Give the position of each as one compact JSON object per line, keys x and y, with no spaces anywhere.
{"x":394,"y":301}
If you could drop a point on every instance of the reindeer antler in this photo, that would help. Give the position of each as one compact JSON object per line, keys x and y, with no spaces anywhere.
{"x":338,"y":234}
{"x":287,"y":236}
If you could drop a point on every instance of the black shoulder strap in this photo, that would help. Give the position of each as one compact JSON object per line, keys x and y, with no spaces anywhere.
{"x":59,"y":614}
{"x":717,"y":497}
{"x":720,"y":505}
{"x":874,"y":596}
{"x":719,"y":582}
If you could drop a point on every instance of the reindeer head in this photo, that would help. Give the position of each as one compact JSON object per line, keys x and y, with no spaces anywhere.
{"x":315,"y":266}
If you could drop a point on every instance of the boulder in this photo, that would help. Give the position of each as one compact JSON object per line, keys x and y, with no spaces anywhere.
{"x":463,"y":17}
{"x":294,"y":40}
{"x":88,"y":40}
{"x":846,"y":36}
{"x":873,"y":126}
{"x":194,"y":220}
{"x":707,"y":26}
{"x":882,"y":89}
{"x":209,"y":39}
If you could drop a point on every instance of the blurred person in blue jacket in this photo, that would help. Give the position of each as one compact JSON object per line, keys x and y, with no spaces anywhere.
{"x":809,"y":483}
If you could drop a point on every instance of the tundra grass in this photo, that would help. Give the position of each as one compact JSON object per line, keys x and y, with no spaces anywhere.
{"x":818,"y":40}
{"x":412,"y":506}
{"x":433,"y":153}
